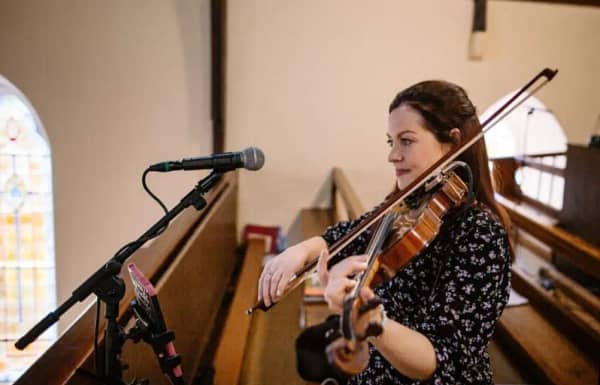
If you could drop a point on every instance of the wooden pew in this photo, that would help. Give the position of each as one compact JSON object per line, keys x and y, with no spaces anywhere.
{"x":556,"y":346}
{"x":555,"y":339}
{"x":556,"y":335}
{"x":232,"y":345}
{"x":314,"y":309}
{"x":345,"y":206}
{"x":190,"y":265}
{"x":544,"y":353}
{"x":580,"y":252}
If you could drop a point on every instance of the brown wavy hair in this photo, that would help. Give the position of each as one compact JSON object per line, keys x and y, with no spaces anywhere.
{"x":444,"y":106}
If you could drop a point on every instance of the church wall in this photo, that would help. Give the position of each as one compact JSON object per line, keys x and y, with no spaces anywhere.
{"x":310,"y":81}
{"x":119,"y":85}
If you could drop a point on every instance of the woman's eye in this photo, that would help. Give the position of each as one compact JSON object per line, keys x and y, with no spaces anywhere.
{"x":389,"y":142}
{"x":406,"y":142}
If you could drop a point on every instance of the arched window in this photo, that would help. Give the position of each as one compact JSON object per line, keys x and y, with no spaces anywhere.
{"x":533,"y":134}
{"x":27,"y":268}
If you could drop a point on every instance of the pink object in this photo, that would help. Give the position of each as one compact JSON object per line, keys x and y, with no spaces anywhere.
{"x":146,"y":296}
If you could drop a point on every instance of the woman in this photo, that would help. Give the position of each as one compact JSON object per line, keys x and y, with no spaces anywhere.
{"x":442,"y":308}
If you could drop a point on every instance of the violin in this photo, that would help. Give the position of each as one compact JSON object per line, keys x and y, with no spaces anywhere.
{"x":401,"y":235}
{"x":398,"y":200}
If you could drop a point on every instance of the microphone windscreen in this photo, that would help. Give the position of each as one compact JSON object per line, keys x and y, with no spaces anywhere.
{"x":254,"y":158}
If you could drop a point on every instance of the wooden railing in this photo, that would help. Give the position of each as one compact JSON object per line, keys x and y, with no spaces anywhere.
{"x":581,"y":253}
{"x":505,"y":170}
{"x":190,"y":265}
{"x":344,"y":199}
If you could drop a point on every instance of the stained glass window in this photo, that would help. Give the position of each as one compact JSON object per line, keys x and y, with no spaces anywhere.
{"x":27,"y":268}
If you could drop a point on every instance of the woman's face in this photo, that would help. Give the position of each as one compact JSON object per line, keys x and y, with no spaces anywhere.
{"x":413,"y":147}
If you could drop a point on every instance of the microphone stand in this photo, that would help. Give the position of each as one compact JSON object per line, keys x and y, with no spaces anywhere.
{"x":110,"y":288}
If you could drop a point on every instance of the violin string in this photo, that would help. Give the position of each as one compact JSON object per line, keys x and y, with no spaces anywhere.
{"x":374,"y":248}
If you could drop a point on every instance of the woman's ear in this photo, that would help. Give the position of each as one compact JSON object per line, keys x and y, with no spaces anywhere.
{"x":456,"y":135}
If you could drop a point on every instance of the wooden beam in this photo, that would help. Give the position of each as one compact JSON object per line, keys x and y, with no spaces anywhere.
{"x":218,"y":38}
{"x":539,"y":165}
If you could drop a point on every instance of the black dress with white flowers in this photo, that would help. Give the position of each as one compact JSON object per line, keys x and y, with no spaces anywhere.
{"x":453,"y":293}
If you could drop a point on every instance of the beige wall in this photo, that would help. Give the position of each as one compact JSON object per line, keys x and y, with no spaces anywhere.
{"x":119,"y":85}
{"x":309,"y":82}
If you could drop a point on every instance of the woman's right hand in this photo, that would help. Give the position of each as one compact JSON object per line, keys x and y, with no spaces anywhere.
{"x":278,"y":272}
{"x":339,"y":280}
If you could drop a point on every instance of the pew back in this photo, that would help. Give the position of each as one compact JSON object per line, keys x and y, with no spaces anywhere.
{"x":190,"y":264}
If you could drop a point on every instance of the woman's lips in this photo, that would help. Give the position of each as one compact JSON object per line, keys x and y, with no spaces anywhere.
{"x":402,"y":171}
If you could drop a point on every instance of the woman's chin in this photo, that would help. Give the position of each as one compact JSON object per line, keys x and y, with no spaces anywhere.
{"x":401,"y":184}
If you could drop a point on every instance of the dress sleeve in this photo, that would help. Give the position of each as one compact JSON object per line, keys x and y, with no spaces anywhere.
{"x":333,"y":233}
{"x":467,"y":301}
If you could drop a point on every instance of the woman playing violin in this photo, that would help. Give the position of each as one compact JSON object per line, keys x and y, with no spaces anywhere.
{"x":441,"y":309}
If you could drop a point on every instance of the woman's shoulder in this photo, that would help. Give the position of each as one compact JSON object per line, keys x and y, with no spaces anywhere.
{"x":476,"y":219}
{"x":477,"y":230}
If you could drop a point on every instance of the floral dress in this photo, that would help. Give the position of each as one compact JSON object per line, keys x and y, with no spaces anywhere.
{"x":453,"y":292}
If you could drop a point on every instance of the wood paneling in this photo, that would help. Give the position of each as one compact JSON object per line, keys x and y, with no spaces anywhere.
{"x":192,"y":289}
{"x":581,"y":207}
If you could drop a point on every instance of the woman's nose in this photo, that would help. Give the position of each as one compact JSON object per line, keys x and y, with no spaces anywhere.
{"x":394,"y":155}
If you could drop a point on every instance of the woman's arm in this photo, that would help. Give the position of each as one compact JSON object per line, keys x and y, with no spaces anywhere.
{"x":279,"y":270}
{"x":409,"y":351}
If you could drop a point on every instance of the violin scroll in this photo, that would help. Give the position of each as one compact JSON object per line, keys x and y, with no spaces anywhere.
{"x":350,"y":353}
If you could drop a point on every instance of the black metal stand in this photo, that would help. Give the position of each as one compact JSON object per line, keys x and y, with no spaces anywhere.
{"x":141,"y":330}
{"x":110,"y":288}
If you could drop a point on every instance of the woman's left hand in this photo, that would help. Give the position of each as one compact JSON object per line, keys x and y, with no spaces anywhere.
{"x":337,"y":281}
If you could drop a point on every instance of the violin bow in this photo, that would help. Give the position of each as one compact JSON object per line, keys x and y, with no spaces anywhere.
{"x":545,"y":75}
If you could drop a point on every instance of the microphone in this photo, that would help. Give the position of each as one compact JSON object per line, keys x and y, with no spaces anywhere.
{"x":251,"y":158}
